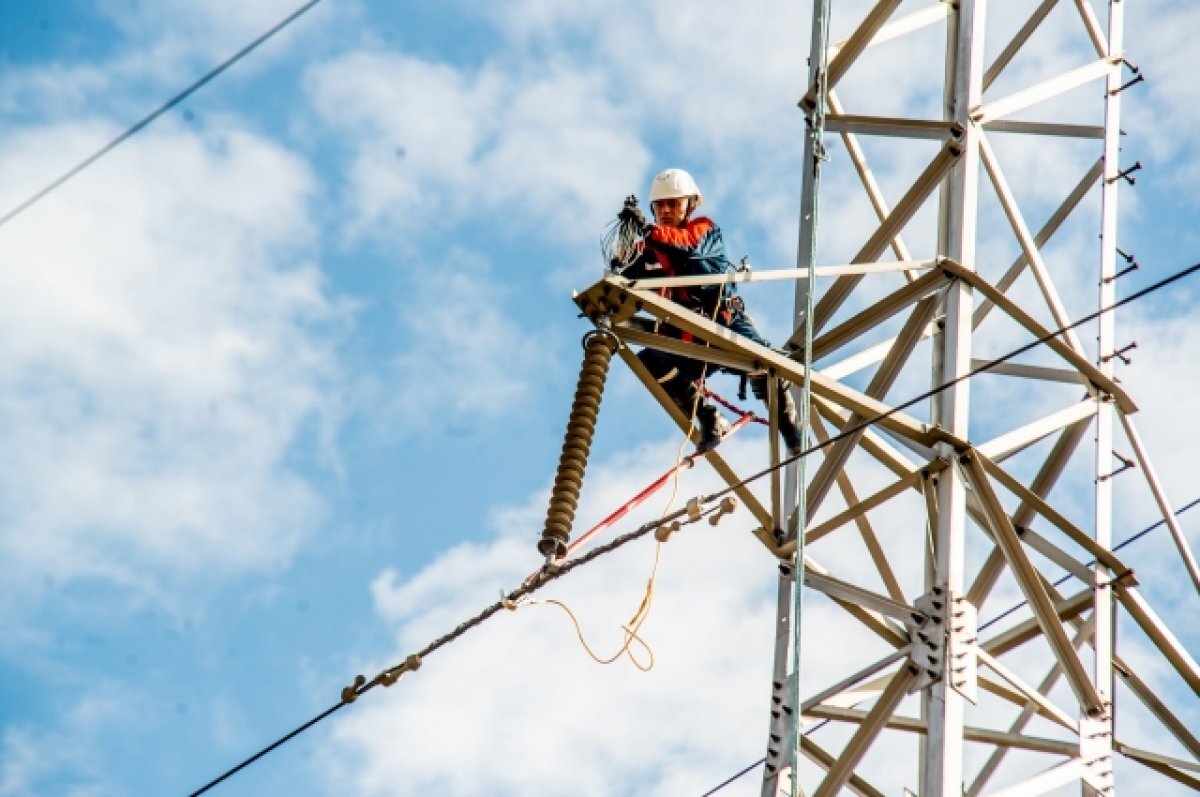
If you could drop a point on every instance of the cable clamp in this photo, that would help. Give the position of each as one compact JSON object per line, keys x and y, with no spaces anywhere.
{"x":411,"y":664}
{"x":727,"y":505}
{"x":350,"y":693}
{"x":694,"y":509}
{"x":663,"y":533}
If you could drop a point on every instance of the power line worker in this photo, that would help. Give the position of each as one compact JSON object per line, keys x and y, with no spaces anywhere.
{"x":682,"y":245}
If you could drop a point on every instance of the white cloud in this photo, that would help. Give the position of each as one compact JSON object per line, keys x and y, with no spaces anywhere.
{"x":168,"y":340}
{"x":433,"y":146}
{"x":63,"y":757}
{"x":458,"y":357}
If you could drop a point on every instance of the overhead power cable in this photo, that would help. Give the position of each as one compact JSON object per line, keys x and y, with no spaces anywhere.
{"x":987,"y":366}
{"x":551,"y":573}
{"x":159,"y":111}
{"x":982,"y":627}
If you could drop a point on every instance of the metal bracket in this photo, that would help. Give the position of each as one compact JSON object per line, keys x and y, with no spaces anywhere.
{"x":1128,"y":258}
{"x":929,"y":646}
{"x":1138,"y":77}
{"x":1120,"y":354}
{"x":960,"y":649}
{"x":1126,"y":464}
{"x":779,"y":748}
{"x":944,"y":643}
{"x":1124,"y":173}
{"x":1095,"y":750}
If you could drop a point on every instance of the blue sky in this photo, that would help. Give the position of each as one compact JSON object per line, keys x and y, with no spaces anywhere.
{"x":285,"y":378}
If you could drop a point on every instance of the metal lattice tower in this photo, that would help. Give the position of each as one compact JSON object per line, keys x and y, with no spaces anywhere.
{"x":951,"y":500}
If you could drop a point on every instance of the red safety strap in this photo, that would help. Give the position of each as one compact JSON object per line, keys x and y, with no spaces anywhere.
{"x":744,"y":417}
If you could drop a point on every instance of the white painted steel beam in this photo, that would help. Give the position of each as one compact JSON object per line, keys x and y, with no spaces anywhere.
{"x":1039,"y":372}
{"x":1160,"y":498}
{"x":849,"y":51}
{"x":902,"y":26}
{"x":1007,"y":444}
{"x":1029,"y":248}
{"x":1044,"y":129}
{"x":1057,"y":86}
{"x":1045,"y":782}
{"x":1017,"y":42}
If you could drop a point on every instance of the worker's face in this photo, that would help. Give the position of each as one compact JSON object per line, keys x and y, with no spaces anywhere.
{"x":671,"y":212}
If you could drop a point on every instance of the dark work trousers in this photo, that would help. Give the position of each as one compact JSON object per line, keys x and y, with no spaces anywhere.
{"x":678,"y":374}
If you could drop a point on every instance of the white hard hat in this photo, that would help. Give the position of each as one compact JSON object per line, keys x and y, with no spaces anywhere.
{"x":674,"y":183}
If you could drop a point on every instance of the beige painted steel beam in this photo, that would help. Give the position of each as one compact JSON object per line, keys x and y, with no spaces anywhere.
{"x":1052,"y":468}
{"x":1170,"y":772}
{"x":862,"y":739}
{"x":823,"y":759}
{"x":837,"y":454}
{"x":1033,"y":255}
{"x":1095,"y":32}
{"x":778,"y":275}
{"x":610,"y":297}
{"x":1090,"y":179}
{"x":865,"y":505}
{"x":1167,"y":643}
{"x":1031,"y":694}
{"x":856,"y":124}
{"x":889,"y":631}
{"x":1009,"y":443}
{"x":842,"y":686}
{"x":853,"y":47}
{"x":1028,"y":711}
{"x":908,"y":205}
{"x":1076,"y":359}
{"x":1059,"y":775}
{"x":1160,"y":498}
{"x":719,"y":465}
{"x":1017,"y":42}
{"x":902,"y":26}
{"x":871,"y":317}
{"x":987,"y":736}
{"x":1038,"y":372}
{"x":707,"y":354}
{"x":874,"y":193}
{"x":1044,"y":129}
{"x":1028,"y":580}
{"x":1055,"y":518}
{"x":870,"y":539}
{"x":837,"y":588}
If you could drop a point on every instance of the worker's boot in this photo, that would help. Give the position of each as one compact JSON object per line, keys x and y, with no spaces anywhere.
{"x":713,"y":427}
{"x":789,"y":420}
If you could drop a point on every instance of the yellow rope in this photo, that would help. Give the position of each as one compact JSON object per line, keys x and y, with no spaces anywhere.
{"x":635,"y":623}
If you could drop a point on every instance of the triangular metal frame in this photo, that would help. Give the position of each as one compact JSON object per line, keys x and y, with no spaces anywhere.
{"x":937,"y":650}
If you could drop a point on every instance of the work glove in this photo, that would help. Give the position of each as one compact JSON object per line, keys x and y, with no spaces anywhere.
{"x":633,"y":215}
